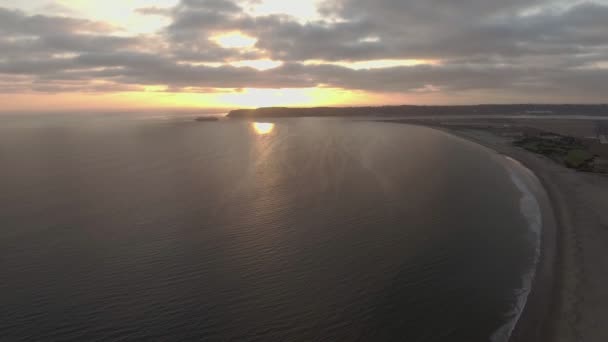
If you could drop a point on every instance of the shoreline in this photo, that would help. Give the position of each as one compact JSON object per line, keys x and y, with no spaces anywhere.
{"x":535,"y":207}
{"x":569,"y":300}
{"x":535,"y":322}
{"x":538,"y":319}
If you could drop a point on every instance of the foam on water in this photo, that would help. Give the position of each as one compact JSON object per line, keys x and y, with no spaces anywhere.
{"x":524,"y":180}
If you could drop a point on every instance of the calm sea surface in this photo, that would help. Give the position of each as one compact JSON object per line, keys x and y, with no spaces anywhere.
{"x":153,"y":229}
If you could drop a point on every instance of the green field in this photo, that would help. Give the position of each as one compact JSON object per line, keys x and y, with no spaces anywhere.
{"x":567,"y":151}
{"x":577,"y":159}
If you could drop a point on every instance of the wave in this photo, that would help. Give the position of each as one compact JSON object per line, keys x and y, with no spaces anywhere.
{"x":524,"y":181}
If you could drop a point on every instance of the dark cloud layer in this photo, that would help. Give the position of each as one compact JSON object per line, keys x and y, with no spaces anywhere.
{"x":524,"y":49}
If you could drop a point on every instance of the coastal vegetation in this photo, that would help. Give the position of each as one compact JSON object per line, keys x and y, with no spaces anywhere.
{"x":570,"y":151}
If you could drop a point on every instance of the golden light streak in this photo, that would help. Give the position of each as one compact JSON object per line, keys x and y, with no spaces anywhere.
{"x":224,"y":99}
{"x":234,"y":40}
{"x":376,"y":64}
{"x":259,"y":64}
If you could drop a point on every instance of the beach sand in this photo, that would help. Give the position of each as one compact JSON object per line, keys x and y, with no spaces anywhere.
{"x":569,"y":299}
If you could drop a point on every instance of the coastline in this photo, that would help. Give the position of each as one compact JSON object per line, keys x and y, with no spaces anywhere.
{"x":537,"y":319}
{"x":535,"y":207}
{"x":568,"y":301}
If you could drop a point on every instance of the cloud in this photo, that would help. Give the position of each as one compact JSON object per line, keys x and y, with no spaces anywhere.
{"x":19,"y":23}
{"x":523,"y":49}
{"x":414,"y":30}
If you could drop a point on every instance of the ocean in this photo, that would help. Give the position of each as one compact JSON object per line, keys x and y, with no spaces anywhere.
{"x":154,"y":228}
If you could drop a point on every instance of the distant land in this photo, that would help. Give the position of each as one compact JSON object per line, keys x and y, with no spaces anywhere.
{"x":408,"y":110}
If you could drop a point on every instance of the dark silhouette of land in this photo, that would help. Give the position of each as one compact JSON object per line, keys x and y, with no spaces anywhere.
{"x":516,"y":109}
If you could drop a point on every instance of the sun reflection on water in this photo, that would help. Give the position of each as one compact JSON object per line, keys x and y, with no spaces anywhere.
{"x":263,"y":128}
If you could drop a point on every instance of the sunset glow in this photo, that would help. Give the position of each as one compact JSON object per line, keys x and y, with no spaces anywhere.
{"x":227,"y":54}
{"x":303,"y":10}
{"x":223,"y":100}
{"x":259,"y":64}
{"x":253,"y":98}
{"x":304,"y":170}
{"x":377,"y":64}
{"x":234,"y":40}
{"x":121,"y":13}
{"x":263,"y":128}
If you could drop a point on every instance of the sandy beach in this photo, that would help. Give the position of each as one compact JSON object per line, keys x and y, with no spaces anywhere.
{"x":569,"y":299}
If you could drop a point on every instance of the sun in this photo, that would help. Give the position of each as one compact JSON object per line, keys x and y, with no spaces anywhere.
{"x":256,"y":97}
{"x":263,"y":128}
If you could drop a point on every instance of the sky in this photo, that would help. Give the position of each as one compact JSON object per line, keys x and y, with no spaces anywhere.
{"x":226,"y":54}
